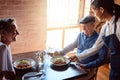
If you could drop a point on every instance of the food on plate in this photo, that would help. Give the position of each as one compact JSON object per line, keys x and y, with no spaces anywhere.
{"x":59,"y":60}
{"x":23,"y":64}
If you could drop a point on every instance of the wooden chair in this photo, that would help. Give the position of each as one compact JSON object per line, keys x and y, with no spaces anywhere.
{"x":94,"y":76}
{"x":9,"y":75}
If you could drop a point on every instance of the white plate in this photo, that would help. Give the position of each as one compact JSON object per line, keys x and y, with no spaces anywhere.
{"x":31,"y":61}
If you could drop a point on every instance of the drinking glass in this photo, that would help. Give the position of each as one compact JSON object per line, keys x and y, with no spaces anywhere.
{"x":40,"y":61}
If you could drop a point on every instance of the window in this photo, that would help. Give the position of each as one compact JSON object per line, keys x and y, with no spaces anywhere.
{"x":54,"y":39}
{"x":70,"y":35}
{"x":61,"y":13}
{"x":87,"y":7}
{"x":62,"y":22}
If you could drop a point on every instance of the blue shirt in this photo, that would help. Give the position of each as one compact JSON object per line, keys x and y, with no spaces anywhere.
{"x":82,"y":43}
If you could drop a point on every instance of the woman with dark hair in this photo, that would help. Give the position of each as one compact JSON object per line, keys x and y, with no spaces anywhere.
{"x":8,"y":33}
{"x":109,"y":35}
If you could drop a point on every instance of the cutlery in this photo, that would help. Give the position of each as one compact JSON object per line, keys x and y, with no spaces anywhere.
{"x":36,"y":75}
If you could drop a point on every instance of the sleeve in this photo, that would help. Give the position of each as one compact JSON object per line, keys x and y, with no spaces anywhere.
{"x":2,"y":49}
{"x":70,"y":47}
{"x":102,"y":57}
{"x":95,"y":48}
{"x":5,"y":59}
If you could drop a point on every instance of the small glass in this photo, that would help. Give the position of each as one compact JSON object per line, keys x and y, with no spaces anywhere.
{"x":40,"y":61}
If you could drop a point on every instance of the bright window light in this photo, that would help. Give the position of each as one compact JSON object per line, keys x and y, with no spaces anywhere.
{"x":54,"y":39}
{"x":87,"y":7}
{"x":62,"y":13}
{"x":71,"y":35}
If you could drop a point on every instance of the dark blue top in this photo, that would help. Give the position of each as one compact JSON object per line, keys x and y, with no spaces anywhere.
{"x":82,"y":43}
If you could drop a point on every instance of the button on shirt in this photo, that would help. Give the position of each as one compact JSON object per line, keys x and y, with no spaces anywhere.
{"x":107,"y":29}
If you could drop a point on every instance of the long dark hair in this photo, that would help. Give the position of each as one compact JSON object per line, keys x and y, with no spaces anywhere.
{"x":109,"y":6}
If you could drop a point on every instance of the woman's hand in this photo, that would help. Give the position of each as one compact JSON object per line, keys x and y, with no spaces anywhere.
{"x":74,"y":58}
{"x":81,"y":65}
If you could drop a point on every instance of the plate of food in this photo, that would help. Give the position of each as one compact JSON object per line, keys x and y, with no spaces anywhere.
{"x":24,"y":63}
{"x":60,"y":63}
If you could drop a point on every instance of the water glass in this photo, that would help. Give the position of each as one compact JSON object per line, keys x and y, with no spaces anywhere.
{"x":40,"y":61}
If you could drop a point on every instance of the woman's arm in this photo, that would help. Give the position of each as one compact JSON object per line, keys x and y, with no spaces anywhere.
{"x":102,"y":58}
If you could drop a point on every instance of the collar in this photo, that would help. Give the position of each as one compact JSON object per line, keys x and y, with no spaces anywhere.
{"x":85,"y":37}
{"x":111,"y":21}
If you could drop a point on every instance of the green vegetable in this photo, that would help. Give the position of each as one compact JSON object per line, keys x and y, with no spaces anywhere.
{"x":23,"y":61}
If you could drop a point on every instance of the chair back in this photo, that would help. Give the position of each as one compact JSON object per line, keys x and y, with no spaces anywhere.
{"x":94,"y":76}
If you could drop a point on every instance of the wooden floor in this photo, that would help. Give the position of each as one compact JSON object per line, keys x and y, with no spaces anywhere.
{"x":103,"y":73}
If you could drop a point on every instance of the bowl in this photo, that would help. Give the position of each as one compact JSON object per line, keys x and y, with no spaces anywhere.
{"x":59,"y":63}
{"x":26,"y":63}
{"x":59,"y":60}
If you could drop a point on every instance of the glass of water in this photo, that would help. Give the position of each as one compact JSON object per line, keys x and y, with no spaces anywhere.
{"x":40,"y":61}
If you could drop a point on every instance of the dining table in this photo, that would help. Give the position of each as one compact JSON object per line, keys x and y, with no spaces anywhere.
{"x":71,"y":72}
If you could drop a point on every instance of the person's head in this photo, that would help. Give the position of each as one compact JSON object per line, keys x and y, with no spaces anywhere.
{"x":8,"y":30}
{"x":103,"y":9}
{"x":88,"y":25}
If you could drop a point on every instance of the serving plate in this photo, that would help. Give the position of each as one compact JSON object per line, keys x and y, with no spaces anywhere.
{"x":61,"y":64}
{"x":24,"y":63}
{"x":60,"y":61}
